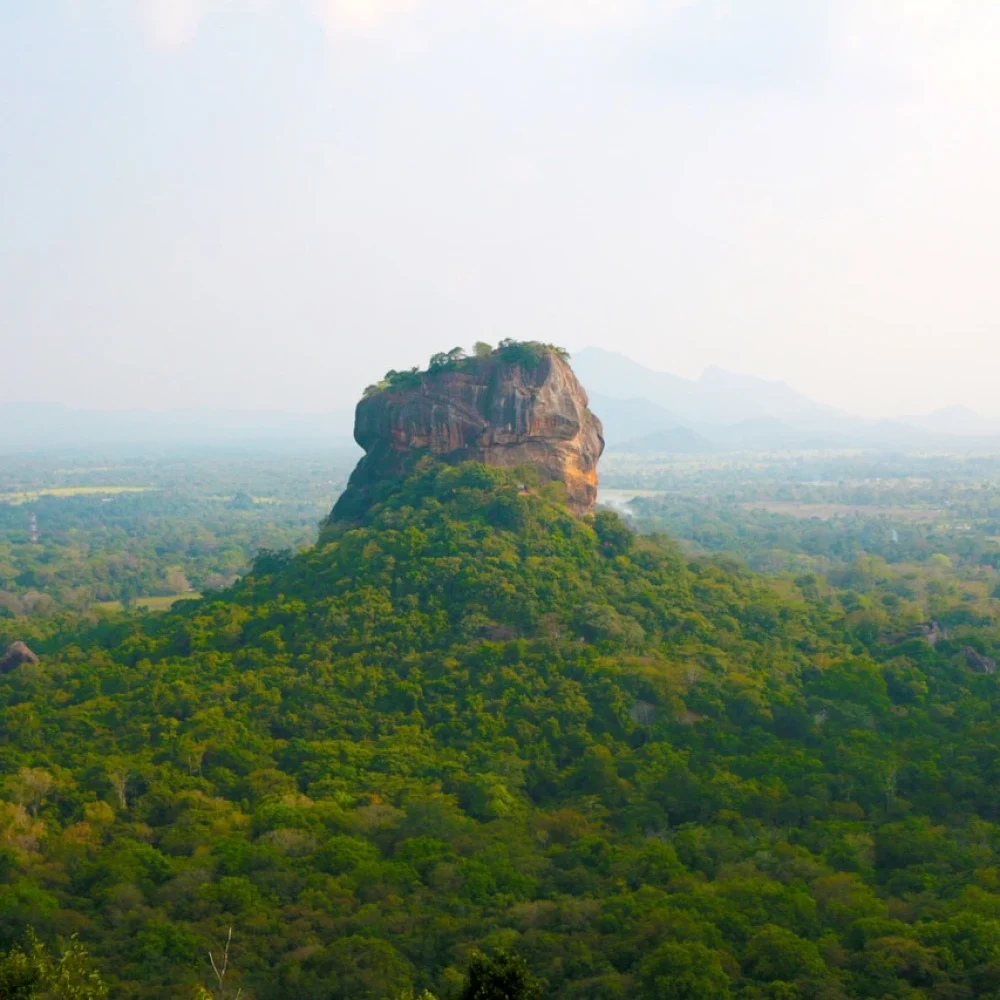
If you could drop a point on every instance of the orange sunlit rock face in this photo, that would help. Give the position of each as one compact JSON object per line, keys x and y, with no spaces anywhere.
{"x":494,"y":411}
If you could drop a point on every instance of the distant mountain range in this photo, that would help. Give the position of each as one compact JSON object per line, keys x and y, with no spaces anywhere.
{"x":645,"y":411}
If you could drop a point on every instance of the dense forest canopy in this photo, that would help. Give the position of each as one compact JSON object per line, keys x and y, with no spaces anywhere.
{"x":477,"y":723}
{"x":117,"y":529}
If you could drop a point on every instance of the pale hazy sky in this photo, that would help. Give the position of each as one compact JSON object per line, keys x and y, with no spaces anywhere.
{"x":243,"y":203}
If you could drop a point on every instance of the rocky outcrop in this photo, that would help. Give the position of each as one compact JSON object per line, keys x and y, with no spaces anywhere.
{"x":978,"y":662}
{"x":931,"y":631}
{"x":17,"y":654}
{"x":506,"y":409}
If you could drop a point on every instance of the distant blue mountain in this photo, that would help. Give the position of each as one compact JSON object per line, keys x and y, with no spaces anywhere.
{"x":672,"y":441}
{"x":643,"y":411}
{"x":736,"y":412}
{"x":627,"y":419}
{"x":718,"y":397}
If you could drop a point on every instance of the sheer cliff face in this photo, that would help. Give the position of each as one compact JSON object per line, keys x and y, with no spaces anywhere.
{"x":496,"y":411}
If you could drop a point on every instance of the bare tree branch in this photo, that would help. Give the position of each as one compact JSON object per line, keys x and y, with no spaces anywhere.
{"x":220,"y":973}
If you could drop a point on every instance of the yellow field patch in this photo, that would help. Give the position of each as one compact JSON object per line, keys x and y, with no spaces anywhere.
{"x":151,"y":603}
{"x":28,"y":496}
{"x":829,"y":511}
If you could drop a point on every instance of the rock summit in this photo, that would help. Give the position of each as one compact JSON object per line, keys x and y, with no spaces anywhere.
{"x":517,"y":405}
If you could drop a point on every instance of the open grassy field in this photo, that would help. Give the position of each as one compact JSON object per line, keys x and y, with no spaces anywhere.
{"x":829,"y":511}
{"x":151,"y":603}
{"x":29,"y":496}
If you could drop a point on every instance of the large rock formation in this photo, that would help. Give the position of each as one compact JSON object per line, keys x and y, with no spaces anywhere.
{"x":512,"y":408}
{"x":17,"y":654}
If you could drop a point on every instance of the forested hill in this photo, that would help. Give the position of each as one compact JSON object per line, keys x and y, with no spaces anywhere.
{"x":475,"y":721}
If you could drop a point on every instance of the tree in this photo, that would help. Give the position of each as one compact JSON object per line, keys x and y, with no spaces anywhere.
{"x":502,"y":977}
{"x":118,"y":775}
{"x":615,"y":535}
{"x":683,"y":971}
{"x":30,"y":786}
{"x":220,"y":967}
{"x":775,"y":953}
{"x":445,"y":359}
{"x":31,"y":973}
{"x":130,"y":591}
{"x":175,"y":581}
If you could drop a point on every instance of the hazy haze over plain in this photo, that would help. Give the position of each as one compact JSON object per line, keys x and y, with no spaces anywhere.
{"x":242,"y":203}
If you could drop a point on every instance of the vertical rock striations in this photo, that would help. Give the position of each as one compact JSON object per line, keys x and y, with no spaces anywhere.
{"x":520,"y":405}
